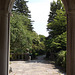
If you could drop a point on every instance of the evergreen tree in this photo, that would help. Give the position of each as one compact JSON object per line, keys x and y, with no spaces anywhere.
{"x":53,"y":8}
{"x":56,"y":41}
{"x":20,"y":6}
{"x":58,"y":26}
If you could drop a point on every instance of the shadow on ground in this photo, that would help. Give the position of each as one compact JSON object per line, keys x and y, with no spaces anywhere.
{"x":41,"y":59}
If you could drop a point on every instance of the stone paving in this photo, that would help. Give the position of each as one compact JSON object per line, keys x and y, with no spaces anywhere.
{"x":34,"y":67}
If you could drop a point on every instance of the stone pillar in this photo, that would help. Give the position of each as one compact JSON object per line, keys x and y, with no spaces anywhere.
{"x":4,"y":28}
{"x":70,"y":10}
{"x":5,"y":8}
{"x":71,"y":43}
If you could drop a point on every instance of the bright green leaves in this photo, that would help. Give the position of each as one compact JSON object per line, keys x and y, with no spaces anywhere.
{"x":58,"y":26}
{"x":56,"y":41}
{"x":21,"y":38}
{"x":61,"y":59}
{"x":59,"y":43}
{"x":54,"y":6}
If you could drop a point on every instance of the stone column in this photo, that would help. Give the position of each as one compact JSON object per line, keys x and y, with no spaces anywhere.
{"x":71,"y":43}
{"x":4,"y":42}
{"x":70,"y":10}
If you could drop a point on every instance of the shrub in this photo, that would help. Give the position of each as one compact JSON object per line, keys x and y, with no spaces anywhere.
{"x":61,"y":59}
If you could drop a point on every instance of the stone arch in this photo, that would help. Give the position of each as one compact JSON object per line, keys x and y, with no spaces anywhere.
{"x":5,"y":9}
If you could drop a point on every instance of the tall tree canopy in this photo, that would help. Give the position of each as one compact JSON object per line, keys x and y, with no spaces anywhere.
{"x":21,"y":38}
{"x":22,"y":35}
{"x":20,"y":6}
{"x":54,"y":6}
{"x":58,"y":25}
{"x":56,"y":41}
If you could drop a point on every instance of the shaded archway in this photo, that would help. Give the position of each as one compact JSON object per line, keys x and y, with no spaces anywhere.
{"x":5,"y":7}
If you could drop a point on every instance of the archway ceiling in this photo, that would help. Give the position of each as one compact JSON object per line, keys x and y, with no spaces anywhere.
{"x":6,"y":5}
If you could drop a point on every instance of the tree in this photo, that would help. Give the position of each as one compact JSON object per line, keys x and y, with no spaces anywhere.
{"x":58,"y":25}
{"x":54,"y":6}
{"x":20,"y":35}
{"x":42,"y":38}
{"x":20,"y":6}
{"x":21,"y":38}
{"x":56,"y":41}
{"x":59,"y":43}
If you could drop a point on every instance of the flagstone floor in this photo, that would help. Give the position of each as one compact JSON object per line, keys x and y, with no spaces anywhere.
{"x":34,"y":67}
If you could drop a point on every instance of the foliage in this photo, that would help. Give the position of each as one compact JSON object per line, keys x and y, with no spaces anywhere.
{"x":54,"y":6}
{"x":58,"y":26}
{"x":20,"y":6}
{"x":55,"y":43}
{"x":18,"y":31}
{"x":61,"y":59}
{"x":42,"y":38}
{"x":38,"y":46}
{"x":59,"y":43}
{"x":21,"y":38}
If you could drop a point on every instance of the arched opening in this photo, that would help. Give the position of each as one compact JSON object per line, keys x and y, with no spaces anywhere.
{"x":35,"y":40}
{"x":6,"y":5}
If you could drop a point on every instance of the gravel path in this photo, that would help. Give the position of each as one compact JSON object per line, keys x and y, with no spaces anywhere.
{"x":34,"y":67}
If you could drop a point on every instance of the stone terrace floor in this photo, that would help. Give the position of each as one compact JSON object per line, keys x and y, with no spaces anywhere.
{"x":34,"y":67}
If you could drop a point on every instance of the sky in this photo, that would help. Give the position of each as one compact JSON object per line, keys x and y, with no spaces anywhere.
{"x":39,"y":12}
